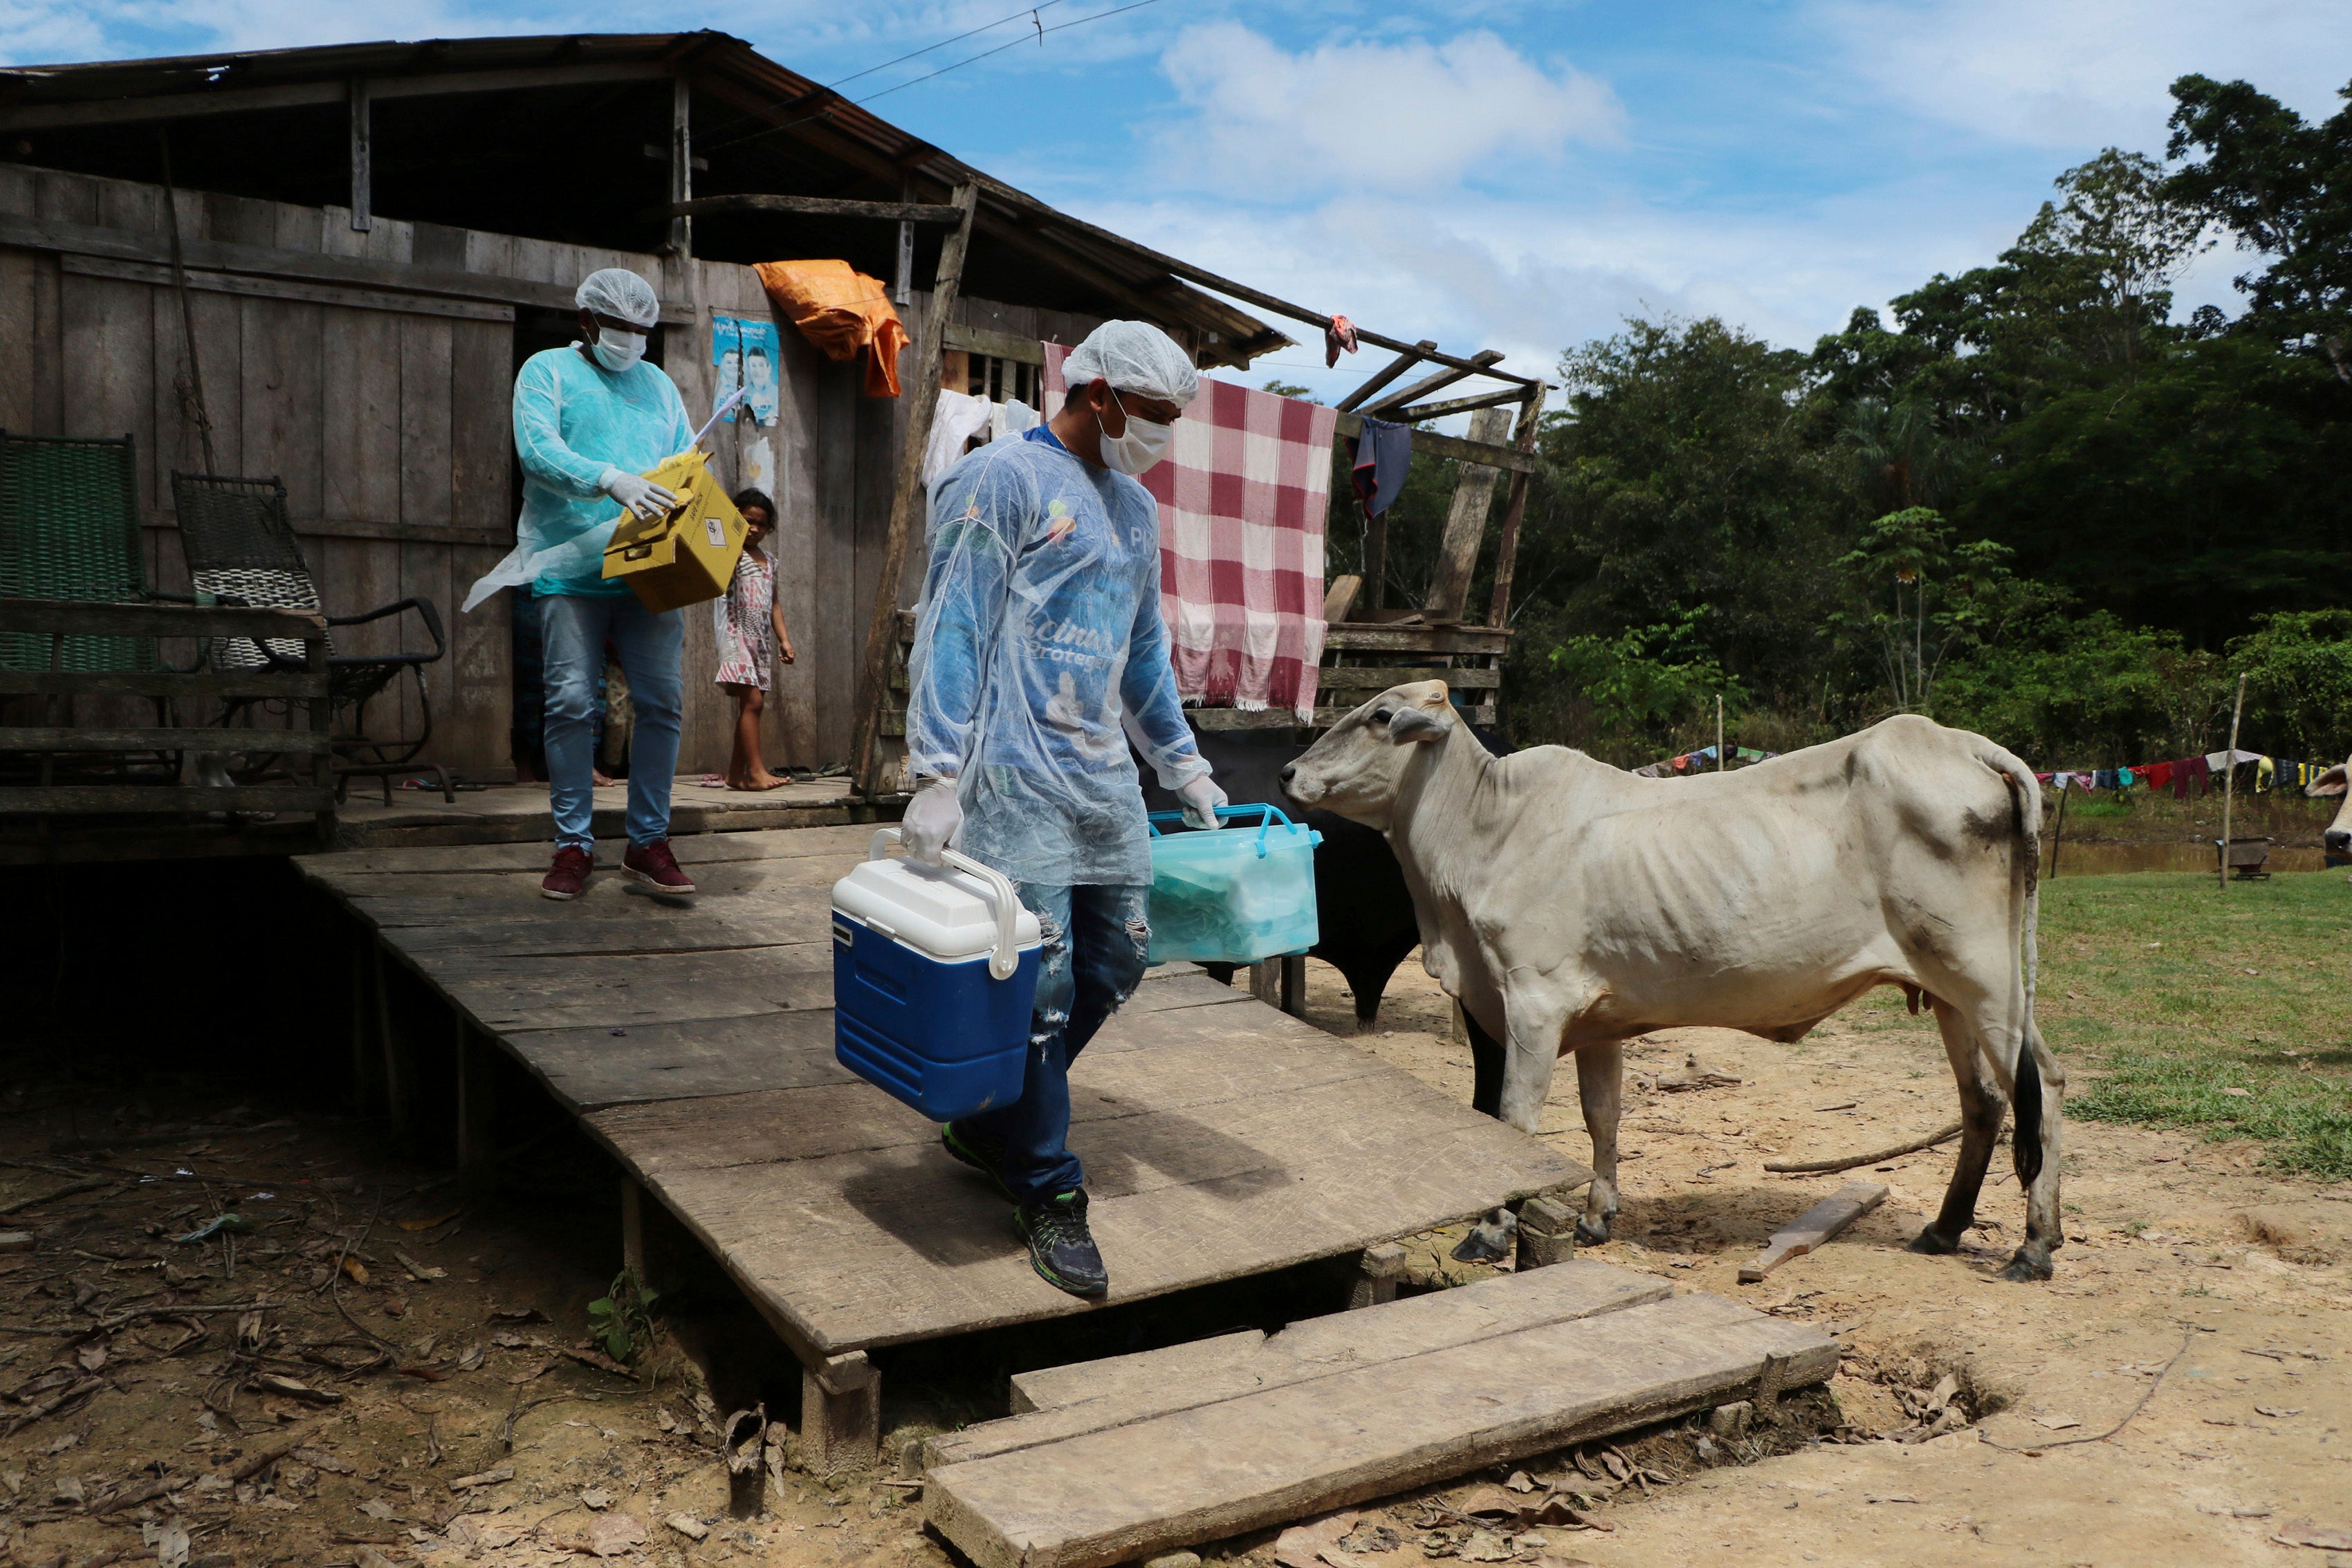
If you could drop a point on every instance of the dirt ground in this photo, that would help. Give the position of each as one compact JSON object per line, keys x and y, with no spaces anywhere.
{"x":381,"y":1372}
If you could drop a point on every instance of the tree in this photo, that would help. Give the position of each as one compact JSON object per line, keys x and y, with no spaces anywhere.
{"x":2120,"y":229}
{"x":1922,"y":599}
{"x":2284,"y":187}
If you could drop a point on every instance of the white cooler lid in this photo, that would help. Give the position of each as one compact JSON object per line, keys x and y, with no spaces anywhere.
{"x":938,"y":911}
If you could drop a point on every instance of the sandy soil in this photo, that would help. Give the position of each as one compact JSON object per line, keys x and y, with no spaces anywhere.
{"x":473,"y":1318}
{"x":2243,"y":1437}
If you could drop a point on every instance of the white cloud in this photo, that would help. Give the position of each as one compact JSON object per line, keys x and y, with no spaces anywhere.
{"x":2078,"y":75}
{"x":1406,"y":115}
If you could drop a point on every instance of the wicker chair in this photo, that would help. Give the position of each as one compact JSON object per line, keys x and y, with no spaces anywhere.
{"x":241,"y":548}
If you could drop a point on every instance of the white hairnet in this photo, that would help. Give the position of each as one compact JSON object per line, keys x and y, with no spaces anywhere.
{"x":617,"y":292}
{"x":1134,"y":357}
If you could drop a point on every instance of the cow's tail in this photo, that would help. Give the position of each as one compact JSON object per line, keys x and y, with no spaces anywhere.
{"x":2025,"y":795}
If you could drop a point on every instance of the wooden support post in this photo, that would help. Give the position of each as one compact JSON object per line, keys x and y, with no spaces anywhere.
{"x":362,"y":159}
{"x":907,"y":498}
{"x":681,"y":162}
{"x":1266,"y":981}
{"x":1376,"y":561}
{"x":1377,"y":1273}
{"x":902,"y":293}
{"x":399,"y":1077}
{"x":2058,"y":834}
{"x":2229,"y":780}
{"x":1514,"y":511}
{"x":1465,"y":525}
{"x":1546,"y":1233}
{"x":841,"y":1414}
{"x":633,"y":1229}
{"x":477,"y":1107}
{"x":1722,"y":763}
{"x":1293,"y":985}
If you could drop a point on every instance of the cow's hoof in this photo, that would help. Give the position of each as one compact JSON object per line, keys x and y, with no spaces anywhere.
{"x":1934,"y":1243}
{"x":2027,"y":1268}
{"x":1589,"y":1234}
{"x":1489,"y":1241}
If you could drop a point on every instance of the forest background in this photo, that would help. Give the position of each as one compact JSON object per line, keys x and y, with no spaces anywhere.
{"x":2033,"y":504}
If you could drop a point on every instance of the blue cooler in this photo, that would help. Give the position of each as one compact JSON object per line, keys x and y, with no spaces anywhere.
{"x":934,"y":978}
{"x":1234,"y":894}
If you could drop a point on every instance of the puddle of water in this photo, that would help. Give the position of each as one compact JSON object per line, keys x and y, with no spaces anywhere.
{"x":2110,"y":860}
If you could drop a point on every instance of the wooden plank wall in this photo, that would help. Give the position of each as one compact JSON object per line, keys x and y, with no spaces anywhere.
{"x":391,"y":431}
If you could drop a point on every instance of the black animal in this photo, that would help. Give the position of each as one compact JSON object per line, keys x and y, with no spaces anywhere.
{"x":1364,"y":909}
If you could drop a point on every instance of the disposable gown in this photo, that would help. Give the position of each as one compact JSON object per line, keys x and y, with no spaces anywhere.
{"x":571,"y":421}
{"x":1039,"y":651}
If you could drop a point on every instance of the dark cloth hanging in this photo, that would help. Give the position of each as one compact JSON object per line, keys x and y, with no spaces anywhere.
{"x":2194,"y":771}
{"x":1380,"y":457}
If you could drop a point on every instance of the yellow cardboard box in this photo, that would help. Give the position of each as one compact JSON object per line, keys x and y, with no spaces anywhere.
{"x":688,"y":554}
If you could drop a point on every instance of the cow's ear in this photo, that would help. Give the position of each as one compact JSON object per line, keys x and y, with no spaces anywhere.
{"x":2328,"y":783}
{"x":1416,"y":724}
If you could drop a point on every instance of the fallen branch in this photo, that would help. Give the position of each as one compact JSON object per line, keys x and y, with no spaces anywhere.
{"x":1817,"y":1168}
{"x":87,"y":1184}
{"x":2153,"y":1384}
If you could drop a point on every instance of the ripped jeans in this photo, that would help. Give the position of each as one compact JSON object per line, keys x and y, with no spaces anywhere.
{"x":1095,"y":942}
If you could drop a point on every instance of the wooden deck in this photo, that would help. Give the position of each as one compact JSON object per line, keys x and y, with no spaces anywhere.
{"x":518,"y":813}
{"x":694,"y":1040}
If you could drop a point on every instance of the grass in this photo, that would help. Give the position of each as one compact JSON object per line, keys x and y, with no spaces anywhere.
{"x":2228,"y":1014}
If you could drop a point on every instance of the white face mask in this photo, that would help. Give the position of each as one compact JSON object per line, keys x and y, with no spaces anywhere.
{"x":1144,"y":442}
{"x":616,"y":352}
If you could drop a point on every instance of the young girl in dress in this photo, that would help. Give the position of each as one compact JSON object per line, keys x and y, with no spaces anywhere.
{"x":744,"y":622}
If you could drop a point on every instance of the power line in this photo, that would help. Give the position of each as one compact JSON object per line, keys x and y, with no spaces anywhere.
{"x":1039,"y":35}
{"x":1029,"y":11}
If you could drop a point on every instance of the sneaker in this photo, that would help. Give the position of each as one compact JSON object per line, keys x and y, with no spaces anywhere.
{"x":654,"y":865}
{"x":570,"y":873}
{"x":1061,"y":1249}
{"x":985,"y":1156}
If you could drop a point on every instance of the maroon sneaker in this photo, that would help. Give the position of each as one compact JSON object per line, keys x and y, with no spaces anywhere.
{"x":570,"y":873}
{"x":654,"y":865}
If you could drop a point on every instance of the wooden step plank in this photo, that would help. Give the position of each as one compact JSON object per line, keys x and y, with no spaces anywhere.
{"x":1114,"y":1496}
{"x":1153,"y":1062}
{"x":651,"y":931}
{"x":591,"y":1069}
{"x":473,"y":896}
{"x":504,"y":994}
{"x":892,"y":1244}
{"x":1814,"y":1228}
{"x":1091,"y":1396}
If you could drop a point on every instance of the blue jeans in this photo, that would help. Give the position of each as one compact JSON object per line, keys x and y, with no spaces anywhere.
{"x":1095,"y":942}
{"x":574,"y":627}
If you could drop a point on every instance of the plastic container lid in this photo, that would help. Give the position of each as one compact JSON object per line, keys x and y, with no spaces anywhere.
{"x":940,"y":911}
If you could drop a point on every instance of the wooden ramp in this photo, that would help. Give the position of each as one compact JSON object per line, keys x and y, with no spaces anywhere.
{"x":1142,"y":1454}
{"x":694,"y":1038}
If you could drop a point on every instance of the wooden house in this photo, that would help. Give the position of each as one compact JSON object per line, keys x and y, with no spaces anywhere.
{"x":362,"y":243}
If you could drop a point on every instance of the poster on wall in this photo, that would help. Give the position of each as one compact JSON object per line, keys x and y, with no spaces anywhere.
{"x":743,"y":350}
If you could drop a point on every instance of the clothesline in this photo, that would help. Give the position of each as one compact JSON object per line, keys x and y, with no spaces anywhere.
{"x":2190,"y":776}
{"x":1696,"y":761}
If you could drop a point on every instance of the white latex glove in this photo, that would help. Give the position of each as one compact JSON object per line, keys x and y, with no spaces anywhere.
{"x":931,"y":819}
{"x":637,"y":492}
{"x":1202,"y":797}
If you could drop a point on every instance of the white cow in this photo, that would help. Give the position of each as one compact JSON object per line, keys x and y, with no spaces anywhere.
{"x":1569,"y":906}
{"x":2338,"y":837}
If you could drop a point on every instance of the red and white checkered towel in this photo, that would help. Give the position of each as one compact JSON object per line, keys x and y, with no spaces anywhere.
{"x":1243,"y":494}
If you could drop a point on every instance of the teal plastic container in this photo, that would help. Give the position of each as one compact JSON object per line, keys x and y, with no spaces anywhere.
{"x":1234,"y":896}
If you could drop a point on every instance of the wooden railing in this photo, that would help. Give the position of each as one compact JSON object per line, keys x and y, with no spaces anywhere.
{"x":57,"y":737}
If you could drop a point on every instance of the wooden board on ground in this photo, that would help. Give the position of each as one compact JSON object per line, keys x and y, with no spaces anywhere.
{"x":1094,"y":1395}
{"x":1814,"y":1228}
{"x":1112,"y":1496}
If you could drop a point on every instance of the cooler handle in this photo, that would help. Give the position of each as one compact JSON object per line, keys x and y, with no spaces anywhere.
{"x":1006,"y":955}
{"x":1271,"y":814}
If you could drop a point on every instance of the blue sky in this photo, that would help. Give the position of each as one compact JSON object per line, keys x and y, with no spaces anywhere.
{"x":1519,"y":176}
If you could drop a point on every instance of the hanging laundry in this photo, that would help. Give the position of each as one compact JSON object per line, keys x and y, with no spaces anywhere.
{"x":2125,"y":778}
{"x":1339,"y":335}
{"x":1243,"y":494}
{"x":840,"y":310}
{"x":2264,"y":771}
{"x":1008,"y":419}
{"x":1378,"y":458}
{"x":959,"y":417}
{"x":2193,"y":773}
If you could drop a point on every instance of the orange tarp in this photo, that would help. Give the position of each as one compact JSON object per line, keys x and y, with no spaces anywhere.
{"x":840,"y":310}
